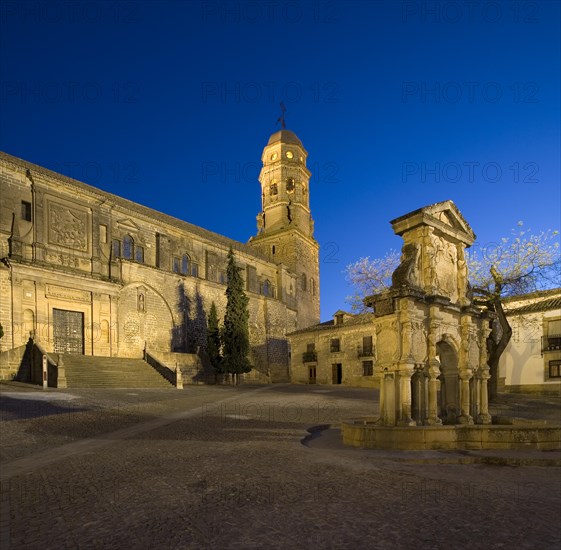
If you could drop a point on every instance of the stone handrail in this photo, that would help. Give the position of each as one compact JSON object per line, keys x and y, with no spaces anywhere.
{"x":56,"y":375}
{"x":173,"y":376}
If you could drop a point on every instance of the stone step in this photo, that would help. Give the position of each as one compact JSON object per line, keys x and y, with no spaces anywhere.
{"x":86,"y":371}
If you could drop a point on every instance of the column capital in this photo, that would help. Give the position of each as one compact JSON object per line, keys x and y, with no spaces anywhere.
{"x":483,"y":373}
{"x":434,"y":368}
{"x":466,"y":374}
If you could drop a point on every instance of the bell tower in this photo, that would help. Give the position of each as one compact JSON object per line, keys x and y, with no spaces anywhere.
{"x":285,"y":226}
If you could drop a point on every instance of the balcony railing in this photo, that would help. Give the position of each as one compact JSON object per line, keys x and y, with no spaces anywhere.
{"x":365,"y":352}
{"x":551,"y":342}
{"x":309,"y":356}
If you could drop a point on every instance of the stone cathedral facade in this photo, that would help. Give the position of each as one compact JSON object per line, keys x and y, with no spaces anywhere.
{"x":87,"y":272}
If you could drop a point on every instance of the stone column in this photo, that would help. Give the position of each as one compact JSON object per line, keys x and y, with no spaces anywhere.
{"x":483,"y":417}
{"x":483,"y":375}
{"x":405,"y":373}
{"x":418,"y":382}
{"x":379,"y":376}
{"x":425,"y":412}
{"x":465,"y":417}
{"x":388,"y":411}
{"x":433,"y":373}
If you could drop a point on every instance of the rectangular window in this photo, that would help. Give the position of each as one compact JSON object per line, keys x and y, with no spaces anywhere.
{"x":116,"y":248}
{"x":310,"y":347}
{"x":251,"y":280}
{"x":139,"y":254}
{"x":176,"y":264}
{"x":554,"y":327}
{"x":553,"y":341}
{"x":194,"y":270}
{"x":335,"y":345}
{"x":367,"y":368}
{"x":555,"y":368}
{"x":367,"y":345}
{"x":102,"y":234}
{"x":222,"y":277}
{"x":26,"y":211}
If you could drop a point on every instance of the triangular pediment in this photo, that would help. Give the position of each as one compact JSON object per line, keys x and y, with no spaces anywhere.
{"x":127,"y":223}
{"x":444,"y":216}
{"x":447,"y":213}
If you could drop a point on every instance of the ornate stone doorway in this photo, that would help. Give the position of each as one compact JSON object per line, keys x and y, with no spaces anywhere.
{"x":68,"y":331}
{"x":449,"y":393}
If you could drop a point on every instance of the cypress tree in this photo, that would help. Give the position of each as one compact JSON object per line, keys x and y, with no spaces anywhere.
{"x":235,"y":335}
{"x":213,"y":341}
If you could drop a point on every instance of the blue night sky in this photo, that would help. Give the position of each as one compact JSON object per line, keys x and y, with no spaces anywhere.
{"x":170,"y":104}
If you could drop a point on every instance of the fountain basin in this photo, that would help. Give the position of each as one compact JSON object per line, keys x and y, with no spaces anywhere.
{"x":366,"y":434}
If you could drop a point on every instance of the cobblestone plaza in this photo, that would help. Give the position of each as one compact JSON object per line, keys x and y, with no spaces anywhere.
{"x":222,"y":467}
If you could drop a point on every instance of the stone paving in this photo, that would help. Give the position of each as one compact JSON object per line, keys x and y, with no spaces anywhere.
{"x":222,"y":467}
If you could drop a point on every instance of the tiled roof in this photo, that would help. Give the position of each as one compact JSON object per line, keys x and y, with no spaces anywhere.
{"x":533,"y":295}
{"x":548,"y":304}
{"x":354,"y":320}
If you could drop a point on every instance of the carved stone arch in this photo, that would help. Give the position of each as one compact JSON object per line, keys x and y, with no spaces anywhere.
{"x":449,"y":395}
{"x":153,"y":326}
{"x":452,"y":341}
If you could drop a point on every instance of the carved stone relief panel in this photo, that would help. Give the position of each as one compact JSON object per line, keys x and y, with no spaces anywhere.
{"x":68,"y":225}
{"x":387,"y":344}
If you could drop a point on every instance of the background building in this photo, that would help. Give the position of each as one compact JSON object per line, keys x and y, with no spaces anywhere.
{"x":87,"y":272}
{"x":532,"y":359}
{"x":340,"y":351}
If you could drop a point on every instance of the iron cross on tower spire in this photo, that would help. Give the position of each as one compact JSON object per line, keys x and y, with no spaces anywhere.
{"x":281,"y":118}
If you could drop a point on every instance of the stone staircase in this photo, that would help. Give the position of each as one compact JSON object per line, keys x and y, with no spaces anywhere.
{"x":85,"y":371}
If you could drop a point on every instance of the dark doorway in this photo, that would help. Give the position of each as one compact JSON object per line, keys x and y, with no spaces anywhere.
{"x":449,"y":383}
{"x":337,"y":373}
{"x":311,"y":375}
{"x":68,"y":331}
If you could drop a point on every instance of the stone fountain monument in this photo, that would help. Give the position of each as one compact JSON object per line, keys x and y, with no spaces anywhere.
{"x":431,"y":343}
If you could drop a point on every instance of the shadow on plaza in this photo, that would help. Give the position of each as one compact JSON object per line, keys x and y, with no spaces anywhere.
{"x":21,"y":409}
{"x":328,"y":391}
{"x":229,"y":429}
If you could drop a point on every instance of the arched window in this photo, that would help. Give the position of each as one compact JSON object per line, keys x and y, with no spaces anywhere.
{"x":304,"y":281}
{"x":128,"y":247}
{"x":266,"y":288}
{"x":104,"y":329}
{"x":186,"y":265}
{"x":312,"y":286}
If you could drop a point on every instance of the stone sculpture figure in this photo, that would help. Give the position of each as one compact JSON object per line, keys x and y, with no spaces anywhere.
{"x":406,"y":273}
